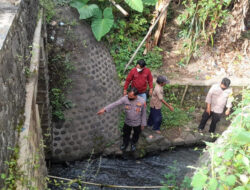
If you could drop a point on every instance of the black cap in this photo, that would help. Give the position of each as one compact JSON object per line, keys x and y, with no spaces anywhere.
{"x":162,"y":79}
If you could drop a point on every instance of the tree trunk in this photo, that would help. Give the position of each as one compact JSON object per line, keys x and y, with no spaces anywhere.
{"x":234,"y":25}
{"x":162,"y":22}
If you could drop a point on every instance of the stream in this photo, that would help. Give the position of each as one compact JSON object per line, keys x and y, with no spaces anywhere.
{"x":148,"y":171}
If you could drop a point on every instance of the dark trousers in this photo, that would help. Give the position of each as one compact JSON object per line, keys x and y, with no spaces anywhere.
{"x":127,"y":131}
{"x":215,"y":119}
{"x":155,"y":118}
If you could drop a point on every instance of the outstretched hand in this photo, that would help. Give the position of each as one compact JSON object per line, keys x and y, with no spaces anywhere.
{"x":101,"y":111}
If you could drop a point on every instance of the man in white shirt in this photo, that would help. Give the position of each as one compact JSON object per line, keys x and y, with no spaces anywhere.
{"x":219,"y":96}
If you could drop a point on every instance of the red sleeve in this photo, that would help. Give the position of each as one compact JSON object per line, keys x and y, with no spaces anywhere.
{"x":129,"y":79}
{"x":150,"y":79}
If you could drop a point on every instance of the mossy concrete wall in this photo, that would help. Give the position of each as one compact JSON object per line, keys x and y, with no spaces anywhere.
{"x":18,"y":20}
{"x":17,"y":25}
{"x":194,"y":96}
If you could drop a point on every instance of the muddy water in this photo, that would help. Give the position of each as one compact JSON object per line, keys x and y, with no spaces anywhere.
{"x":147,"y":171}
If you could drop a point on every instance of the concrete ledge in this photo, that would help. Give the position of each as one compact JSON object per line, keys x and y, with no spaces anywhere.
{"x":31,"y":136}
{"x":237,"y":82}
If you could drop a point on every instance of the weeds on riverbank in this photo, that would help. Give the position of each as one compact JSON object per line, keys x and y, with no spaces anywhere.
{"x":181,"y":114}
{"x":171,"y":182}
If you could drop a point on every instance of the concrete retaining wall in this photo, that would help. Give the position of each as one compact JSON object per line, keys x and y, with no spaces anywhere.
{"x":20,"y":130}
{"x":17,"y":24}
{"x":194,"y":96}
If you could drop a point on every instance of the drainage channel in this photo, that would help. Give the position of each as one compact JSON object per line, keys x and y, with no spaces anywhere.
{"x":167,"y":167}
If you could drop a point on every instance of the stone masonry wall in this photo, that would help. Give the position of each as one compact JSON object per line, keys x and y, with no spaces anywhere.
{"x":94,"y":85}
{"x":17,"y":24}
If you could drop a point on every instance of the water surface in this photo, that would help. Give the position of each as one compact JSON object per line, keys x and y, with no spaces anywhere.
{"x":148,"y":171}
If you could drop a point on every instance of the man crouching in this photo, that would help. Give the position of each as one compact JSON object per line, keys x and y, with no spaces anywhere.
{"x":135,"y":116}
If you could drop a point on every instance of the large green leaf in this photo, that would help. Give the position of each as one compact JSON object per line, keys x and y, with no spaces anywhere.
{"x":78,"y":3}
{"x":230,"y":180}
{"x":212,"y":185}
{"x":199,"y":180}
{"x":102,"y":25}
{"x":149,"y":2}
{"x":85,"y":10}
{"x":241,"y":136}
{"x":135,"y":4}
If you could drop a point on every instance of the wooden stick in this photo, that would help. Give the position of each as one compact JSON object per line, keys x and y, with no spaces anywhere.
{"x":149,"y":32}
{"x":184,"y":94}
{"x":125,"y":13}
{"x":111,"y":186}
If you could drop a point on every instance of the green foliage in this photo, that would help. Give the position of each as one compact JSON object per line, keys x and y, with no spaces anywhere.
{"x":123,"y":40}
{"x":13,"y":175}
{"x":59,"y":103}
{"x":27,"y":72}
{"x":66,"y":185}
{"x":172,"y":182}
{"x":49,"y":8}
{"x":200,"y":21}
{"x":179,"y":117}
{"x":135,"y":4}
{"x":138,"y":24}
{"x":149,"y":2}
{"x":60,"y":67}
{"x":103,"y":23}
{"x":170,"y":13}
{"x":85,"y":10}
{"x":229,"y":164}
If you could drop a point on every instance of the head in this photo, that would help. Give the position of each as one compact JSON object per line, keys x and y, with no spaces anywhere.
{"x":132,"y":93}
{"x":140,"y":65}
{"x":162,"y":80}
{"x":225,"y":83}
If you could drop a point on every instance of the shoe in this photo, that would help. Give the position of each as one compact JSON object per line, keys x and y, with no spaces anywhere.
{"x":123,"y":147}
{"x":200,"y":130}
{"x":133,"y":147}
{"x":158,"y":132}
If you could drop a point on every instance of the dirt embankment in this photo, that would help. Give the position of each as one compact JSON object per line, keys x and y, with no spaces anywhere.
{"x":209,"y":64}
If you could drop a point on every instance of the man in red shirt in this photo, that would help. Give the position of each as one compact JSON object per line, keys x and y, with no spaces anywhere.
{"x":139,"y":77}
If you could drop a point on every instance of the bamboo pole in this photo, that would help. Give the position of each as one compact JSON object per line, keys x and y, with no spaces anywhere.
{"x":149,"y":32}
{"x":125,"y":13}
{"x":110,"y":186}
{"x":184,"y":94}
